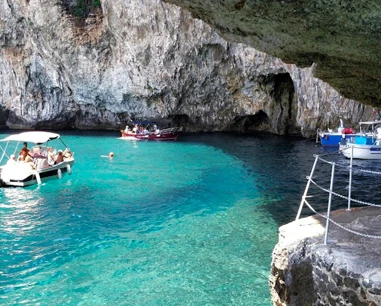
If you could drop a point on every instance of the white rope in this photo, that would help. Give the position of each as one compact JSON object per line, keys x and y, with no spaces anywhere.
{"x":346,"y":166}
{"x":344,"y":197}
{"x":369,"y":171}
{"x":341,"y":226}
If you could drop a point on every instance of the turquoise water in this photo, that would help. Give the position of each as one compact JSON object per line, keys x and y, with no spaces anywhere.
{"x":191,"y":222}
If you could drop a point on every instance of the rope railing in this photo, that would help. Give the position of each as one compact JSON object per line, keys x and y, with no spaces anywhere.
{"x":345,"y":197}
{"x":341,"y":226}
{"x":331,"y":193}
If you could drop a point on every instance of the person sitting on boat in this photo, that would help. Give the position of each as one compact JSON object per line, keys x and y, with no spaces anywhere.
{"x":60,"y":157}
{"x":37,"y":152}
{"x":127,"y":129}
{"x":24,"y":151}
{"x":12,"y":160}
{"x":51,"y":156}
{"x":67,"y":154}
{"x":135,"y":130}
{"x":28,"y":160}
{"x":155,"y":129}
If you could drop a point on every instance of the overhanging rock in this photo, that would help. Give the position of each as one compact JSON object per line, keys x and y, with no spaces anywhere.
{"x":343,"y":38}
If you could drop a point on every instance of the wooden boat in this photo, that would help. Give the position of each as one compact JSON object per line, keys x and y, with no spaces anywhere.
{"x":149,"y":131}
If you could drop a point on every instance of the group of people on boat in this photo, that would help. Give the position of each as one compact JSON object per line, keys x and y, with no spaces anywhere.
{"x":30,"y":157}
{"x":141,"y":129}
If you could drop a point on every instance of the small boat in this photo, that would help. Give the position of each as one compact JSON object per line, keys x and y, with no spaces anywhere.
{"x":332,"y":138}
{"x":38,"y":163}
{"x":365,"y":146}
{"x":149,"y":131}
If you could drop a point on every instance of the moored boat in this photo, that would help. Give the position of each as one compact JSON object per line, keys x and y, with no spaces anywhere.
{"x":362,"y":147}
{"x":149,"y":131}
{"x":31,"y":166}
{"x":365,"y":146}
{"x":332,"y":138}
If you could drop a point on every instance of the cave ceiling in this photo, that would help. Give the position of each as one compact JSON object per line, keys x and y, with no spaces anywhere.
{"x":342,"y":39}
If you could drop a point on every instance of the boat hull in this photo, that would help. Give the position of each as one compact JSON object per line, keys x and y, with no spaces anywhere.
{"x":333,"y":139}
{"x":167,"y":134}
{"x":22,"y":176}
{"x":362,"y":151}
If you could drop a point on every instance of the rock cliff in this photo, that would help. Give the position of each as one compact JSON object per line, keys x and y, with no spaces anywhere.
{"x":342,"y":38}
{"x":146,"y":59}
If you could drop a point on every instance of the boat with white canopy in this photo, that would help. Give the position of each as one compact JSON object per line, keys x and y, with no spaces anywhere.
{"x":31,"y":166}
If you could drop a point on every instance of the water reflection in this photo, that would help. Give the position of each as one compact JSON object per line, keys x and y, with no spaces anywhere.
{"x":22,"y":214}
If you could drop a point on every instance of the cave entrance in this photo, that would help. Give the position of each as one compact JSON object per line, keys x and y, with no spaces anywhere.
{"x":251,"y":123}
{"x":82,"y":9}
{"x":179,"y":120}
{"x":278,"y":114}
{"x":282,"y":107}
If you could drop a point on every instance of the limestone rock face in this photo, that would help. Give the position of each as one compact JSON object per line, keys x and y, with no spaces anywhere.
{"x":149,"y":60}
{"x":343,"y":38}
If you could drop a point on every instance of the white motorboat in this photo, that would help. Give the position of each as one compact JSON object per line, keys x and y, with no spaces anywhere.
{"x":37,"y":164}
{"x":366,"y":146}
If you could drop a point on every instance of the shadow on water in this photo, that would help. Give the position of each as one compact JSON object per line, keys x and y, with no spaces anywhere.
{"x":282,"y":164}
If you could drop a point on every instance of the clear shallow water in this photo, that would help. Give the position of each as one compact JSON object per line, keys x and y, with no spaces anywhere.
{"x":191,"y":222}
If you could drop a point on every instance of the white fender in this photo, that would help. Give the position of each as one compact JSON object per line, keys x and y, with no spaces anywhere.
{"x":68,"y":168}
{"x":59,"y":173}
{"x":38,"y":178}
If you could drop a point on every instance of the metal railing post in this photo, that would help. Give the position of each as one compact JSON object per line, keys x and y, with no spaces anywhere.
{"x":329,"y":204}
{"x":350,"y":180}
{"x":307,"y":187}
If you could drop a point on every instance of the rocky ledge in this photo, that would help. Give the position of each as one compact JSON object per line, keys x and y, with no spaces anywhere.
{"x":345,"y":271}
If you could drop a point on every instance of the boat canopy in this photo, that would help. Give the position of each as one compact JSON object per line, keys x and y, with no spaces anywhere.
{"x":34,"y":137}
